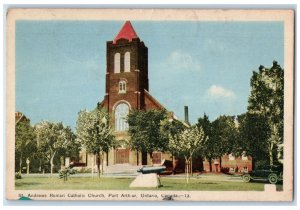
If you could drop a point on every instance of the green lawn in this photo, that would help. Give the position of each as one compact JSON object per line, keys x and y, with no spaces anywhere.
{"x":118,"y":183}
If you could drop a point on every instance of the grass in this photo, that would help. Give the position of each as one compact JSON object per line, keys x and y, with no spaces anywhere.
{"x":78,"y":183}
{"x":118,"y":183}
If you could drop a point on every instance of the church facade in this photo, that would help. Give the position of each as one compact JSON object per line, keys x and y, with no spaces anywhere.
{"x":127,"y":88}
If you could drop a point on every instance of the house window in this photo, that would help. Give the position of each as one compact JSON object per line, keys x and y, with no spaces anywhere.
{"x":117,"y":63}
{"x":231,"y":157}
{"x":127,"y":62}
{"x":244,"y":157}
{"x":246,"y":169}
{"x":122,"y":86}
{"x":121,"y":113}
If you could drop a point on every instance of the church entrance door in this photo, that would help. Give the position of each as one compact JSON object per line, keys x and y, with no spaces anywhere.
{"x":156,"y":157}
{"x":122,"y":156}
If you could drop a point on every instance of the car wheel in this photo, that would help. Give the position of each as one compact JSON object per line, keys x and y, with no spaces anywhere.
{"x":273,"y":178}
{"x":246,"y":178}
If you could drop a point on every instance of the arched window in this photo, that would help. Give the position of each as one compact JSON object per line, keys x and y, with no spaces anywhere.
{"x":127,"y":62}
{"x":122,"y":86}
{"x":117,"y":63}
{"x":121,"y":113}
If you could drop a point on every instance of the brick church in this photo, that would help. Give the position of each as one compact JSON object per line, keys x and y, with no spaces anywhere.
{"x":127,"y":88}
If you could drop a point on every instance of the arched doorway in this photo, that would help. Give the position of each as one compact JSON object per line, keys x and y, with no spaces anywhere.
{"x":122,"y":156}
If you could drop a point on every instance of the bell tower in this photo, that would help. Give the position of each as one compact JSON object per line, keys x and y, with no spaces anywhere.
{"x":126,"y":89}
{"x":126,"y":71}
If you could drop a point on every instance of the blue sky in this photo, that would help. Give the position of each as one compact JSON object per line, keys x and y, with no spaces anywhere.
{"x":60,"y":65}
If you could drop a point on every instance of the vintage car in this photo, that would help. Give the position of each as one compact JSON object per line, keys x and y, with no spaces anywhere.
{"x":271,"y":173}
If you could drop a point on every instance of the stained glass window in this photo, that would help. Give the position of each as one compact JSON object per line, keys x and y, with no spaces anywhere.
{"x":121,"y":113}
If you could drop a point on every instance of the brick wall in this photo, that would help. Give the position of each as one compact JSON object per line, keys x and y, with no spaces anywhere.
{"x":236,"y":165}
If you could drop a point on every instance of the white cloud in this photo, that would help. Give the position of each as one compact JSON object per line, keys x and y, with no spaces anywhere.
{"x":183,"y":61}
{"x":217,"y":92}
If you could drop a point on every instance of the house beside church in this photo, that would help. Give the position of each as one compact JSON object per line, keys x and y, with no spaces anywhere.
{"x":20,"y":117}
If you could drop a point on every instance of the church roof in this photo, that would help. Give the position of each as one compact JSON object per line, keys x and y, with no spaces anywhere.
{"x":158,"y":105}
{"x":126,"y":32}
{"x":155,"y":102}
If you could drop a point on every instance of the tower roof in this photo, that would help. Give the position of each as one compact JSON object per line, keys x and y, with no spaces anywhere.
{"x":126,"y":32}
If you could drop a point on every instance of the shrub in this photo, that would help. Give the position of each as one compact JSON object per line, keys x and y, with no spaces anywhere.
{"x":18,"y":175}
{"x":64,"y":173}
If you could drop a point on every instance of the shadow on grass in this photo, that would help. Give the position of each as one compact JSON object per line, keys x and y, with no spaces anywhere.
{"x":208,"y":183}
{"x":121,"y":178}
{"x":166,"y":186}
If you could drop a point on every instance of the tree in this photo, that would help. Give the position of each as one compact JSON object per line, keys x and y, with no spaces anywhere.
{"x":187,"y":143}
{"x":71,"y":149}
{"x":266,"y":99}
{"x":25,"y":144}
{"x":209,"y":146}
{"x":171,"y":127}
{"x":144,"y":130}
{"x":94,"y":133}
{"x":253,"y":130}
{"x":224,"y":134}
{"x":53,"y":138}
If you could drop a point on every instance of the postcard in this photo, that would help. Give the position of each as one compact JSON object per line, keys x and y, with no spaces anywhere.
{"x":150,"y":104}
